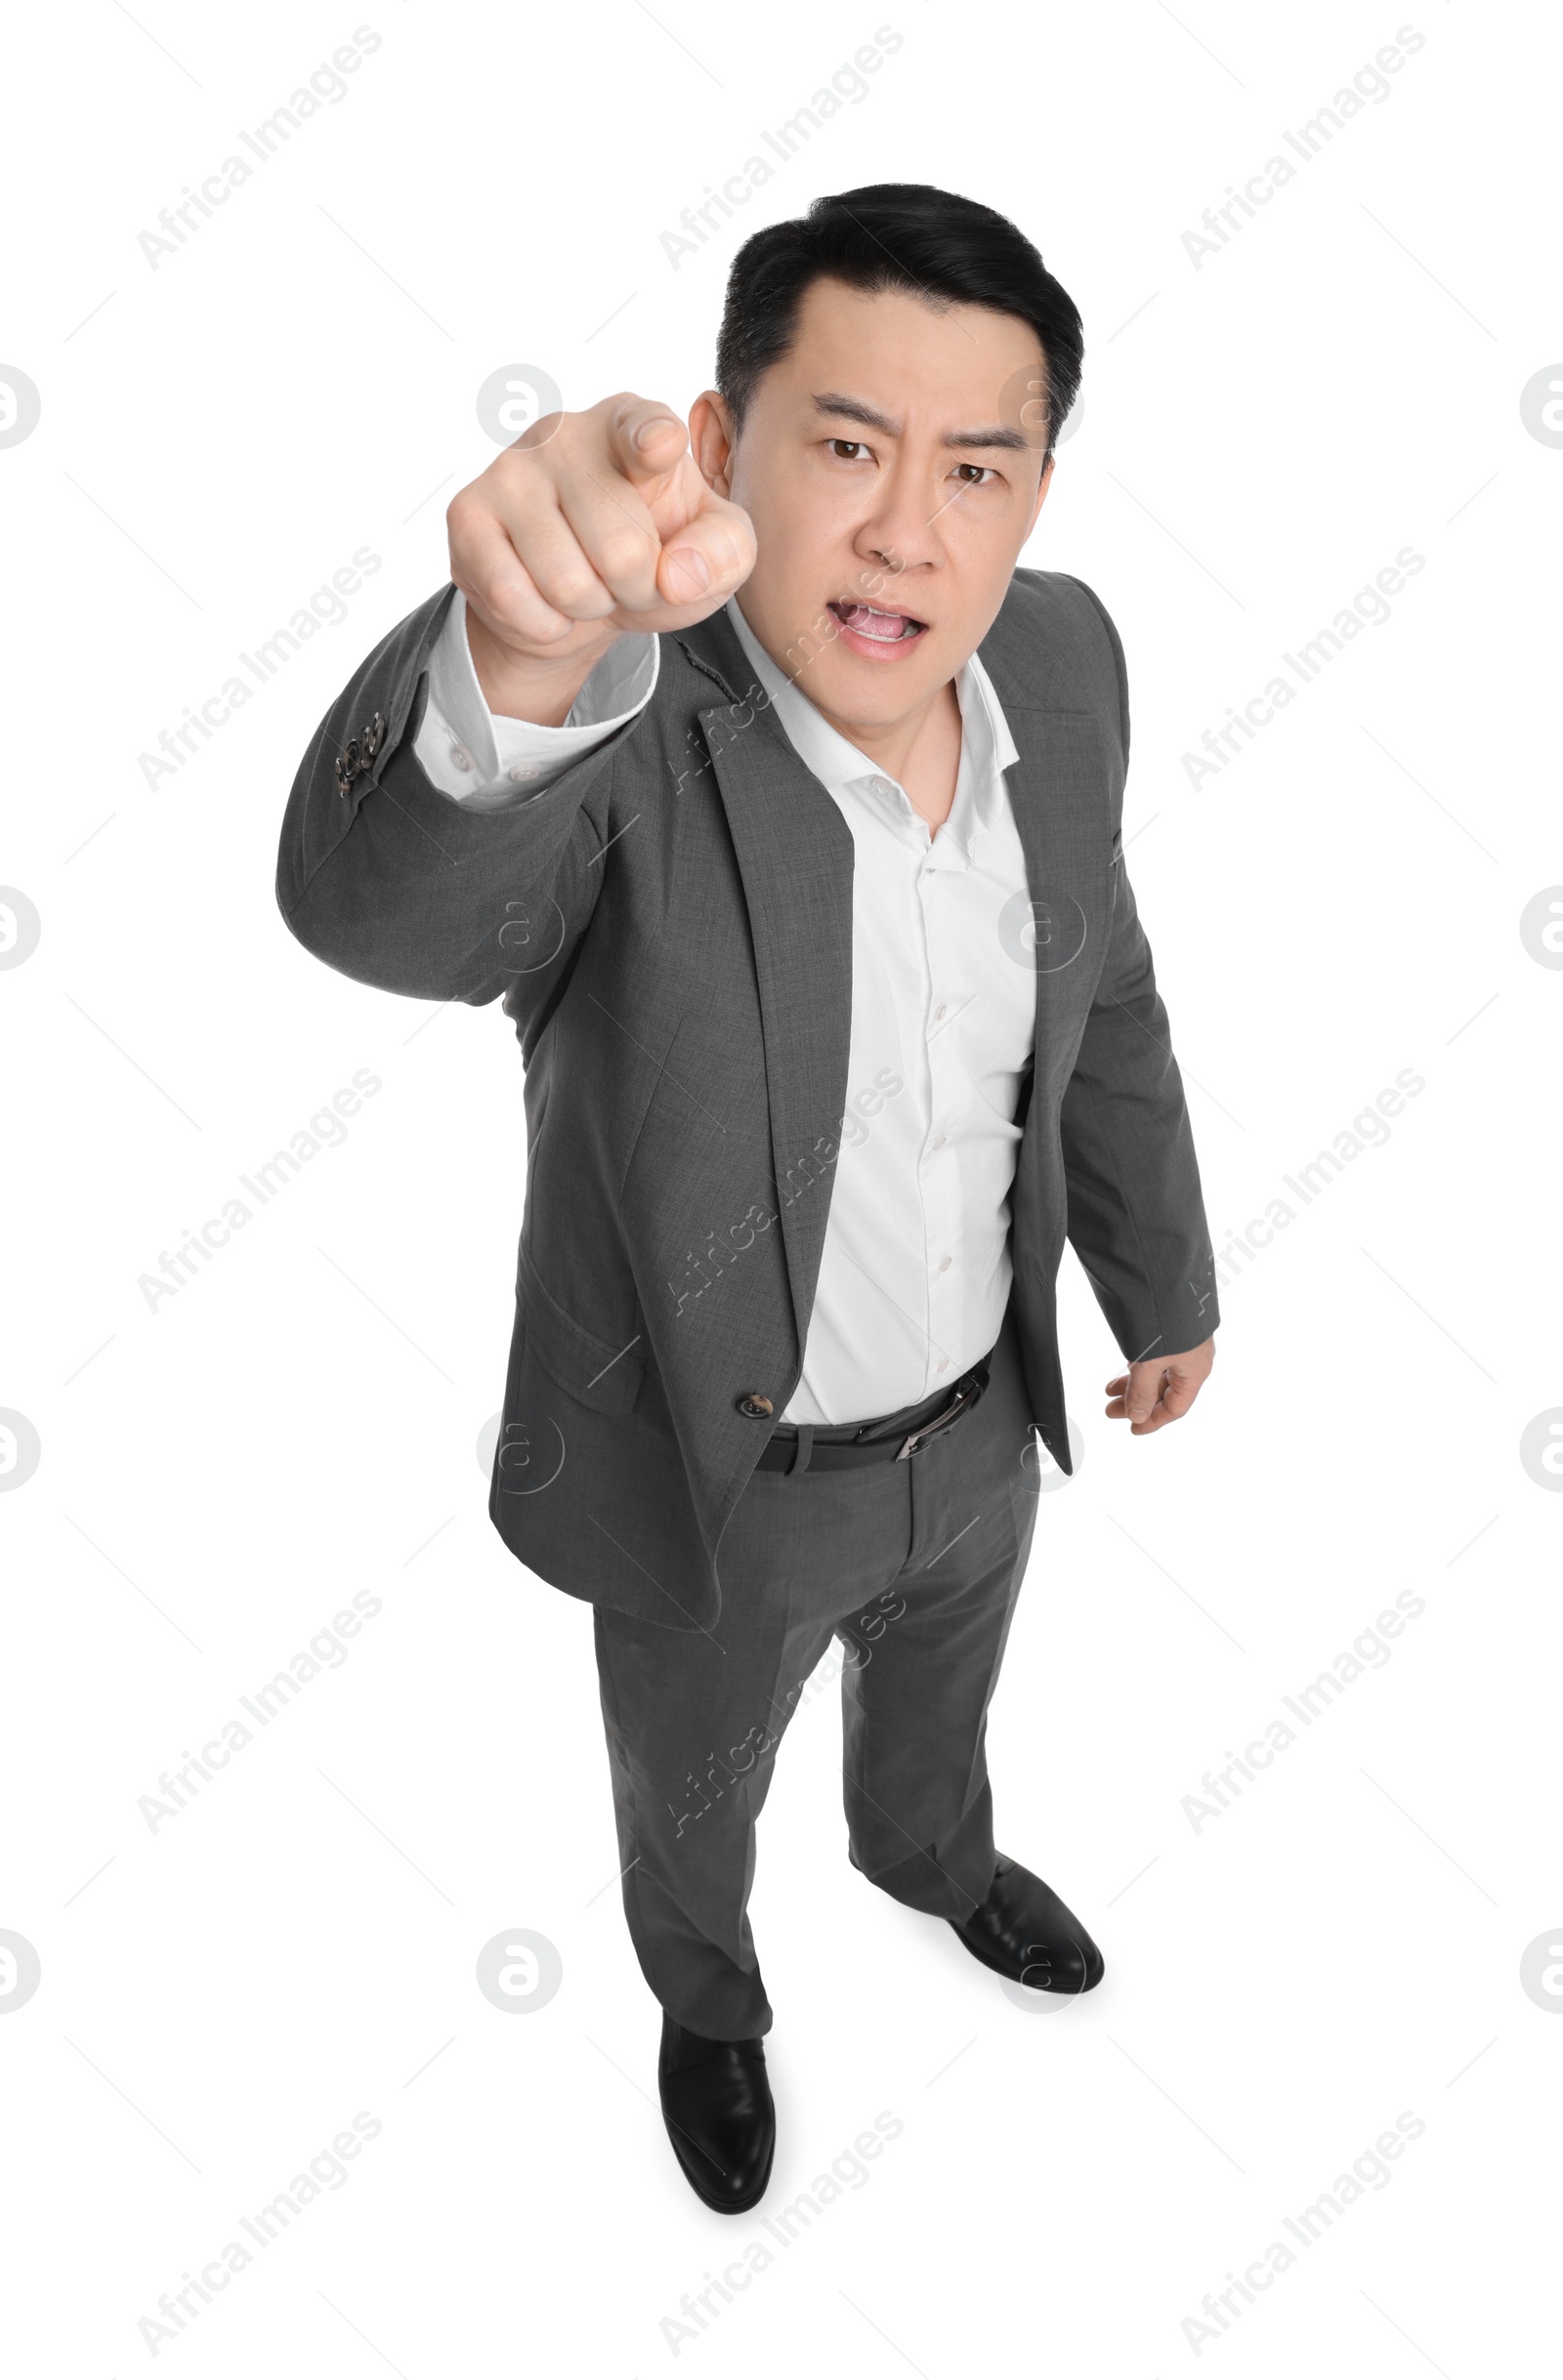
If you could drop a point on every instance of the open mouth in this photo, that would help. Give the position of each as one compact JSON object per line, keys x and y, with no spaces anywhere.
{"x":865,"y":625}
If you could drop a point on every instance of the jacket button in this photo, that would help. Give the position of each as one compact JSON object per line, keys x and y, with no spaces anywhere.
{"x":755,"y":1407}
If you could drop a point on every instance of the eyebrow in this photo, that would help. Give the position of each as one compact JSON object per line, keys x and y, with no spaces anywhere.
{"x":853,"y":409}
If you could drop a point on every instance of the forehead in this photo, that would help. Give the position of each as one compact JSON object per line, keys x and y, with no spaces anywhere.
{"x":914,"y":359}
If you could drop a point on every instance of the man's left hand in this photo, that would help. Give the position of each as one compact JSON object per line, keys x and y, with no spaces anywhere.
{"x":1150,"y":1395}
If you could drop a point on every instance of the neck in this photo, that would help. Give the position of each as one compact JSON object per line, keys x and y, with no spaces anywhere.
{"x":891,"y":743}
{"x":921,"y":751}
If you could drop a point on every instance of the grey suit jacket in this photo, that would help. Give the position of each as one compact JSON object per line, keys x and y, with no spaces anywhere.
{"x":669,"y":927}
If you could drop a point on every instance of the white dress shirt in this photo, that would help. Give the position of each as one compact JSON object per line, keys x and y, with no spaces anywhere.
{"x":915,"y":1272}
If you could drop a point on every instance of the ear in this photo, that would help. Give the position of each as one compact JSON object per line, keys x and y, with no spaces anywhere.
{"x":1042,"y":486}
{"x":713,"y":439}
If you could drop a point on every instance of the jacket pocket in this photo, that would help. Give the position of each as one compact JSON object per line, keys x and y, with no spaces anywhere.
{"x":606,"y":1378}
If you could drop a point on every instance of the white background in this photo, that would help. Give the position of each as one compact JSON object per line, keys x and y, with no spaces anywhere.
{"x":1260,"y":435}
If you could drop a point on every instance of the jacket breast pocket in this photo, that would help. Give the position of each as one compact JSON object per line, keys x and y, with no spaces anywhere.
{"x":606,"y":1378}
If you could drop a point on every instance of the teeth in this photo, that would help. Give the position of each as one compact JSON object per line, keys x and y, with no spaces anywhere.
{"x":884,"y":627}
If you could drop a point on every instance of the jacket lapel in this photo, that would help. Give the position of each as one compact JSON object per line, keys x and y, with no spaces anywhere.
{"x":795,"y":856}
{"x":1059,"y":793}
{"x":1062,"y":793}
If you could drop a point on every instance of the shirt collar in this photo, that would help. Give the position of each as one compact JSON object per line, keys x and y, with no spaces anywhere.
{"x":986,"y":746}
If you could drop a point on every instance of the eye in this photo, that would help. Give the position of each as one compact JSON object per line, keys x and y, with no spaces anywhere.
{"x":847,"y":449}
{"x":980,"y":473}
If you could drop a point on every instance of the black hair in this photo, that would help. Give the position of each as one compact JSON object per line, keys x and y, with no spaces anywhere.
{"x":902,"y":235}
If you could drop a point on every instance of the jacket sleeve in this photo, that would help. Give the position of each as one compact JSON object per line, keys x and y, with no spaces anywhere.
{"x":393,"y":882}
{"x":1137,"y":1214}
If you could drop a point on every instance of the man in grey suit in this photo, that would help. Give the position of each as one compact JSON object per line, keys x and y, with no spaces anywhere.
{"x":808,"y":903}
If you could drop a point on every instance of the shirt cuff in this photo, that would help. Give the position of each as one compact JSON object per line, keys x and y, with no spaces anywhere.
{"x":489,"y":763}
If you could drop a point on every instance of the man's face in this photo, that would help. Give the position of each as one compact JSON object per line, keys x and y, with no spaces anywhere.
{"x":892,"y":465}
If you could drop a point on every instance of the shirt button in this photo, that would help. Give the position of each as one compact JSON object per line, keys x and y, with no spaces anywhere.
{"x":461,"y":758}
{"x":523,"y":772}
{"x":943,"y":1363}
{"x":937,"y":1142}
{"x":943,"y":1264}
{"x":939,"y":1012}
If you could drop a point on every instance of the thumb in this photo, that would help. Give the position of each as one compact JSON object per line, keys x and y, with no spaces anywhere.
{"x":710,"y":556}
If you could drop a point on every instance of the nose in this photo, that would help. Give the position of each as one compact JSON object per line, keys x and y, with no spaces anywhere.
{"x":899,"y":532}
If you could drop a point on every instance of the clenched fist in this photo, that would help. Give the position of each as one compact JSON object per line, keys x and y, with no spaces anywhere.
{"x":591,"y":525}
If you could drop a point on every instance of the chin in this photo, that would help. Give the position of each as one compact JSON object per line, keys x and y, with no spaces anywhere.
{"x":854,"y":688}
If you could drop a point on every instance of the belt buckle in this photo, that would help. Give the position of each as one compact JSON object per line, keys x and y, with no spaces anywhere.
{"x":967,"y":1390}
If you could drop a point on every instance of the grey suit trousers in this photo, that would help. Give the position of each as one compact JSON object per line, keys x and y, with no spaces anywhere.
{"x":915,"y":1567}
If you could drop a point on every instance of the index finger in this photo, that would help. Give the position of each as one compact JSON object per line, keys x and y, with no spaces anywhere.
{"x":645,"y":439}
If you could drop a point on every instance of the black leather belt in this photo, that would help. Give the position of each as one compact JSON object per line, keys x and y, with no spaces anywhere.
{"x":895,"y":1439}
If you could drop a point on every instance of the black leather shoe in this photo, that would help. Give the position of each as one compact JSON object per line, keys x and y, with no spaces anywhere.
{"x":716,"y":2100}
{"x":1024,"y":1931}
